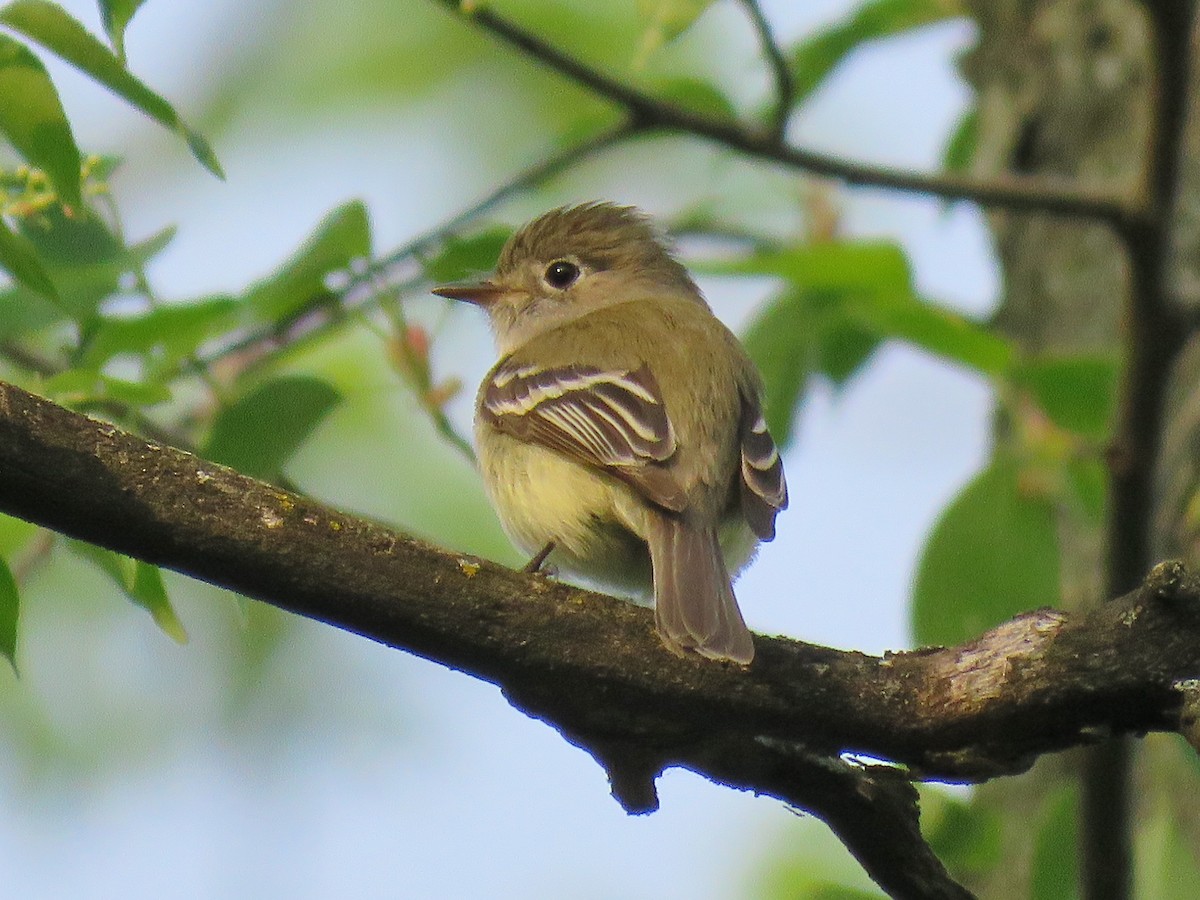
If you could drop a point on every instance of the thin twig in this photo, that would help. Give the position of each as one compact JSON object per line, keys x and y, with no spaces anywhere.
{"x":533,"y":175}
{"x":1154,"y":338}
{"x":1011,"y":192}
{"x":785,"y":86}
{"x":414,"y":368}
{"x":355,"y":295}
{"x":29,"y":360}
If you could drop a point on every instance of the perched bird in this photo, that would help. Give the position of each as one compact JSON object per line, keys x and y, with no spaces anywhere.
{"x":621,"y":433}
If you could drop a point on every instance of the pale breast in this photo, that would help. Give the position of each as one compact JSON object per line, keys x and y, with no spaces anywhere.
{"x":540,"y":496}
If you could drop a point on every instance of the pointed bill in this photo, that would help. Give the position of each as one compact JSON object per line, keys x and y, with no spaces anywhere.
{"x":481,"y":293}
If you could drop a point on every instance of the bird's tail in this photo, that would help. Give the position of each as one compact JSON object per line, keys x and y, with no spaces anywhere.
{"x":694,"y":606}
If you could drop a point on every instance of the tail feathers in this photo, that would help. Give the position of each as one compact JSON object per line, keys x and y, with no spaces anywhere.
{"x":693,"y":598}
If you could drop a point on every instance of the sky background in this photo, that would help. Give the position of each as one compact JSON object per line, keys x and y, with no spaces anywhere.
{"x":354,"y":770}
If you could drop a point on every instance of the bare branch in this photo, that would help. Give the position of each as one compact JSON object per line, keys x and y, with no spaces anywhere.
{"x":27,"y":359}
{"x":785,"y":87}
{"x":1013,"y":193}
{"x":1153,"y":337}
{"x":591,"y":666}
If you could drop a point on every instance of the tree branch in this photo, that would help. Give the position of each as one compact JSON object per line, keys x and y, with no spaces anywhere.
{"x":1013,"y":193}
{"x":785,"y":87}
{"x":592,"y":667}
{"x":1153,"y":336}
{"x":356,"y":295}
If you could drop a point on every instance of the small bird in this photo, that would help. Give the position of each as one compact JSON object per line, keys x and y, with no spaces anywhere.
{"x":621,"y":433}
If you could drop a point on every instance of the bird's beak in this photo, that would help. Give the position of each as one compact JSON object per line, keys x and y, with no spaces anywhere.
{"x":481,"y":293}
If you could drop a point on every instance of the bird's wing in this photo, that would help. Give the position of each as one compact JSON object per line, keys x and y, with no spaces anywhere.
{"x":764,"y":490}
{"x":614,"y":420}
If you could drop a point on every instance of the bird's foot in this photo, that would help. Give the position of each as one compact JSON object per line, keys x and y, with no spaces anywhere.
{"x":534,"y":565}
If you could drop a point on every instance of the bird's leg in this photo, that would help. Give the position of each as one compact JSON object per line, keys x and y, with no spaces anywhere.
{"x":535,"y":564}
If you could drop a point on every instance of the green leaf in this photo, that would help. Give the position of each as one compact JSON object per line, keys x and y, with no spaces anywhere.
{"x":1055,"y":874}
{"x":51,"y":26}
{"x":992,"y":554}
{"x":85,"y":259}
{"x":116,"y":15}
{"x":960,"y":148}
{"x":697,"y":95}
{"x":779,"y":341}
{"x":664,"y":21}
{"x":33,"y":120}
{"x":14,"y":534}
{"x":146,"y":250}
{"x":1078,"y":393}
{"x":964,"y":835}
{"x":20,"y":260}
{"x":81,"y":387}
{"x":139,"y":581}
{"x":260,"y":432}
{"x":149,"y":592}
{"x":76,"y":240}
{"x":813,"y":59}
{"x":843,"y":349}
{"x":10,"y":610}
{"x":86,"y":262}
{"x":798,"y":334}
{"x":340,"y":238}
{"x":1087,"y":479}
{"x":807,"y":329}
{"x":877,"y":266}
{"x":21,"y":311}
{"x":165,"y":334}
{"x":463,"y":258}
{"x":939,"y":331}
{"x":874,"y":287}
{"x":1165,"y":861}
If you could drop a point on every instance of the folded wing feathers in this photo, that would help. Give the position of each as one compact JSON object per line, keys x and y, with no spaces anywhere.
{"x":764,"y":489}
{"x":609,"y":418}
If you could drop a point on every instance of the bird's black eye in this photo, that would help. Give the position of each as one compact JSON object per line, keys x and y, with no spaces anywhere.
{"x":561,"y":274}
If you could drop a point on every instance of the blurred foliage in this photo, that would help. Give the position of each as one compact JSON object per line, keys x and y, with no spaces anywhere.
{"x":806,"y":862}
{"x":303,"y":282}
{"x":1167,"y":866}
{"x":964,"y":835}
{"x":10,"y":608}
{"x":993,"y":553}
{"x":328,"y":374}
{"x":116,"y":15}
{"x":816,"y":58}
{"x":960,"y":148}
{"x":843,"y":299}
{"x":1078,"y":393}
{"x":140,"y":582}
{"x":37,"y":128}
{"x":1055,"y":872}
{"x":260,"y":431}
{"x":663,"y":21}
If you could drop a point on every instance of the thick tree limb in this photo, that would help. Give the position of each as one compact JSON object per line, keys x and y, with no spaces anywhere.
{"x":592,"y":667}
